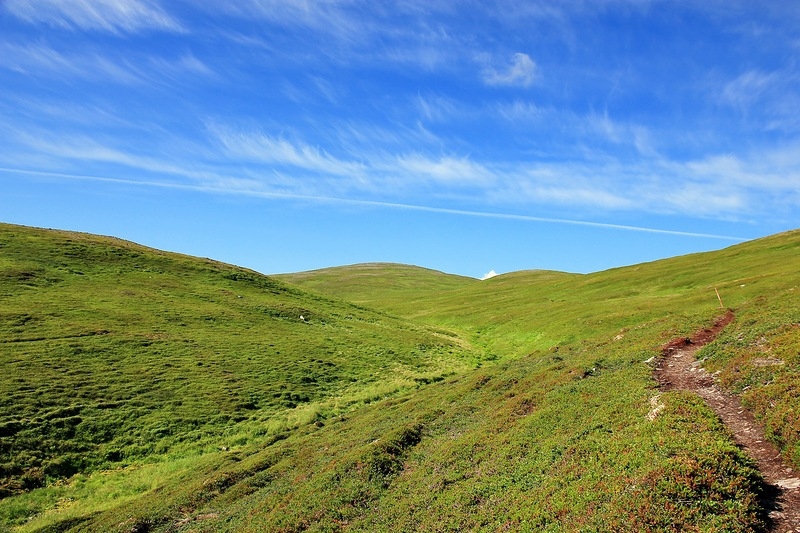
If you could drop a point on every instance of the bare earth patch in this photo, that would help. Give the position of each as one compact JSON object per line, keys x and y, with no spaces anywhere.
{"x":677,"y":369}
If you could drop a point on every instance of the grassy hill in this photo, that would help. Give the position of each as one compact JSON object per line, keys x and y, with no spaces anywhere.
{"x":379,"y":283}
{"x":514,"y":314}
{"x":449,"y":404}
{"x":114,"y":354}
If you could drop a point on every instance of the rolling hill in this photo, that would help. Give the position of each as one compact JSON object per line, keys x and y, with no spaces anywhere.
{"x":377,"y":283}
{"x":114,"y":353}
{"x":148,"y":391}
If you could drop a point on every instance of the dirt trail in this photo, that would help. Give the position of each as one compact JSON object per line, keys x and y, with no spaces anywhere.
{"x":678,"y":370}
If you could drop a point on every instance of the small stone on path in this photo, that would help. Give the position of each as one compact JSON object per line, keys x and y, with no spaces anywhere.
{"x":790,"y":483}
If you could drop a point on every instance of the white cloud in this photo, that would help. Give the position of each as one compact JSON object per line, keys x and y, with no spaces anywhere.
{"x":76,"y":114}
{"x":767,"y":98}
{"x":704,"y":199}
{"x":519,"y":111}
{"x":374,"y":141}
{"x":83,"y":149}
{"x":37,"y":59}
{"x":264,"y":148}
{"x":776,"y":171}
{"x":113,"y":16}
{"x":446,"y":169}
{"x":606,"y":127}
{"x":355,"y":32}
{"x":332,"y":18}
{"x":749,"y":87}
{"x":230,"y":187}
{"x":643,"y":141}
{"x":724,"y":186}
{"x":571,"y":195}
{"x":42,"y":60}
{"x":175,"y":69}
{"x":436,"y":108}
{"x":488,"y":275}
{"x":520,"y":72}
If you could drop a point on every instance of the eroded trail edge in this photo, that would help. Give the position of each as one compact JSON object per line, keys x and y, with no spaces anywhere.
{"x":677,"y":369}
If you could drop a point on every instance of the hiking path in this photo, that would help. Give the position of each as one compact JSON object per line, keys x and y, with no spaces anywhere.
{"x":677,"y":369}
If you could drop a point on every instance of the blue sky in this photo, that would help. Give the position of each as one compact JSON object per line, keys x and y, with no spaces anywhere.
{"x":465,"y":136}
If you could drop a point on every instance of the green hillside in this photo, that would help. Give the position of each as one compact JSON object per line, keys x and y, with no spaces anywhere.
{"x":114,"y":354}
{"x":517,"y":403}
{"x":379,"y":283}
{"x":517,"y":313}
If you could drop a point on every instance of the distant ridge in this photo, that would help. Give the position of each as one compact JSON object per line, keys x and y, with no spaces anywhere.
{"x":365,"y":283}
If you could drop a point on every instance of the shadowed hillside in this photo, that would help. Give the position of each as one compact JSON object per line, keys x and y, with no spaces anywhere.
{"x":284,"y":426}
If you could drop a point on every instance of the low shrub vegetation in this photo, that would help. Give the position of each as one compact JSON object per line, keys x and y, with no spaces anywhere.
{"x":153,"y":392}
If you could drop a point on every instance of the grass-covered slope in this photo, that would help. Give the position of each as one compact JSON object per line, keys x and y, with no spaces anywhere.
{"x":514,"y":314}
{"x":379,"y":284}
{"x":113,"y":353}
{"x":565,"y":432}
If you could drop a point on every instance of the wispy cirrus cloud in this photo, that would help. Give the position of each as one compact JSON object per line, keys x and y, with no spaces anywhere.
{"x":266,"y":149}
{"x":65,"y":149}
{"x":749,"y":87}
{"x":454,"y":171}
{"x":364,"y":162}
{"x":357,"y":33}
{"x":631,"y":135}
{"x":715,"y":187}
{"x":318,"y":14}
{"x":340,"y":20}
{"x":767,"y":98}
{"x":66,"y":114}
{"x":530,"y":190}
{"x":186,"y":63}
{"x":232,"y":187}
{"x":705,"y":199}
{"x":376,"y":169}
{"x":112,"y":16}
{"x":776,"y":170}
{"x":42,"y":60}
{"x":437,"y":108}
{"x":722,"y":186}
{"x":520,"y":72}
{"x":520,"y":111}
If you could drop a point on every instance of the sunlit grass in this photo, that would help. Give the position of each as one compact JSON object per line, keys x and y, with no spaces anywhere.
{"x":84,"y":494}
{"x":160,"y":392}
{"x":114,"y":354}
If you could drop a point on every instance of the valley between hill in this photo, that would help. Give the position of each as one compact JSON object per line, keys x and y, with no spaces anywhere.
{"x":148,"y":391}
